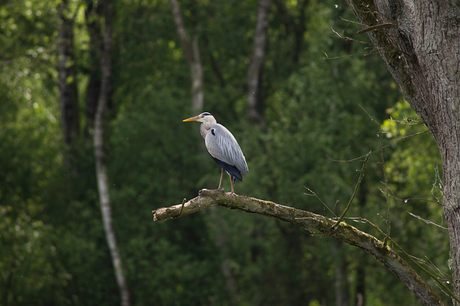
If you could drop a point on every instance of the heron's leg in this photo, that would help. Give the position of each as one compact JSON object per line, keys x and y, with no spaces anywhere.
{"x":231,"y":182}
{"x":221,"y":176}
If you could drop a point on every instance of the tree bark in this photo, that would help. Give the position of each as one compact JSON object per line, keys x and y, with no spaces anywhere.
{"x":93,"y":24}
{"x":360,"y":284}
{"x":360,"y":297}
{"x":101,"y":171}
{"x":257,"y":61}
{"x":67,"y":76}
{"x":422,"y":53}
{"x":341,"y":275}
{"x":297,"y":25}
{"x":311,"y":222}
{"x":192,"y":55}
{"x":221,"y":240}
{"x":213,"y":62}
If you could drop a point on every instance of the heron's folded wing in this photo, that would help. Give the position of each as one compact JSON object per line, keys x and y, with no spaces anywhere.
{"x":221,"y":144}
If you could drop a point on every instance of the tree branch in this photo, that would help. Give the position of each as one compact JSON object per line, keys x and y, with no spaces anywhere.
{"x":313,"y":223}
{"x":393,"y":24}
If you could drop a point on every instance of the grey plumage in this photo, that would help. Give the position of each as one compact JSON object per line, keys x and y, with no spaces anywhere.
{"x":222,"y":146}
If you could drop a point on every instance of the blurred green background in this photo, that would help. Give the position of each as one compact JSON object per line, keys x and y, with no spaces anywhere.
{"x":316,"y":89}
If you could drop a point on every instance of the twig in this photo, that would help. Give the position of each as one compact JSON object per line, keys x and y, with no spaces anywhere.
{"x":395,"y":197}
{"x":182,"y":207}
{"x":358,"y":183}
{"x":426,"y":221}
{"x":347,"y":55}
{"x":393,"y":24}
{"x":410,"y":257}
{"x":316,"y":196}
{"x":349,"y":38}
{"x":385,"y":179}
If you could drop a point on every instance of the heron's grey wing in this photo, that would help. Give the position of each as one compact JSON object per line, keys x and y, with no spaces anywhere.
{"x":222,"y":145}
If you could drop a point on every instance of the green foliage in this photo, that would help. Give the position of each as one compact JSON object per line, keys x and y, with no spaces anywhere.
{"x":414,"y":175}
{"x":318,"y":104}
{"x":29,"y":262}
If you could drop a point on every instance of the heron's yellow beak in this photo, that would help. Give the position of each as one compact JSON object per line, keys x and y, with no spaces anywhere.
{"x":191,"y":119}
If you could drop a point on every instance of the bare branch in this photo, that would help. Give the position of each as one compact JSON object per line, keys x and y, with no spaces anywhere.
{"x":358,"y":183}
{"x":313,"y":223}
{"x":393,"y":24}
{"x":316,"y":196}
{"x":385,"y":179}
{"x":349,"y":38}
{"x":426,"y":221}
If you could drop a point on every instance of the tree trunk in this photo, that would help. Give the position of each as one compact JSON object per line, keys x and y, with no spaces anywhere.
{"x":297,"y":25}
{"x":197,"y":78}
{"x":192,"y":55}
{"x":360,"y":284}
{"x":213,"y":62}
{"x":93,"y":25}
{"x":101,"y":171}
{"x":221,"y":240}
{"x":67,"y":76}
{"x":360,"y":296}
{"x":257,"y":61}
{"x":421,"y":47}
{"x":342,"y":286}
{"x":341,"y":274}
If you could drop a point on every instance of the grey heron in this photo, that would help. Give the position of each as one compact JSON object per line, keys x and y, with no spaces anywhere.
{"x":222,"y":147}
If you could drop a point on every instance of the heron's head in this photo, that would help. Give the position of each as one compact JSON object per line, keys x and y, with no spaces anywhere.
{"x":203,"y":117}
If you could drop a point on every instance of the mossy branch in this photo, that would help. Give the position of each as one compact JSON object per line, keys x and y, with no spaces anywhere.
{"x":313,"y":223}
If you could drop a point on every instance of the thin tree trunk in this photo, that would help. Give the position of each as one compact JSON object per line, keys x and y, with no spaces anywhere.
{"x":192,"y":55}
{"x":212,"y":60}
{"x":197,"y":77}
{"x":294,"y":25}
{"x":101,"y":171}
{"x":299,"y":31}
{"x":67,"y":77}
{"x":93,"y":25}
{"x":420,"y":46}
{"x":340,"y":271}
{"x":257,"y":62}
{"x":341,"y":274}
{"x":360,"y":285}
{"x":221,"y":240}
{"x":360,"y":297}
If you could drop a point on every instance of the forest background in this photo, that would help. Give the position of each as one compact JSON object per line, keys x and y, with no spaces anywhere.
{"x":321,"y":90}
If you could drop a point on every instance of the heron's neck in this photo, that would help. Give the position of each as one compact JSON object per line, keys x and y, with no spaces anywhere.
{"x":205,"y":128}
